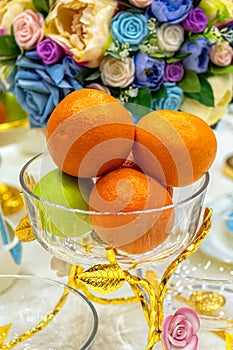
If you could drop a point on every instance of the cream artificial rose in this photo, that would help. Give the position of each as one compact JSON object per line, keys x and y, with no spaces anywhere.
{"x":221,"y":54}
{"x":222,"y":90}
{"x":28,"y":29}
{"x":117,"y":73}
{"x":10,"y":9}
{"x":170,"y":37}
{"x":81,"y":27}
{"x":140,"y":3}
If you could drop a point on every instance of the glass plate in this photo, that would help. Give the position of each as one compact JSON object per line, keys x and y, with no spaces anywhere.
{"x":219,"y":242}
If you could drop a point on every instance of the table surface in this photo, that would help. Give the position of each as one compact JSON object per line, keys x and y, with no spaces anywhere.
{"x":36,"y":260}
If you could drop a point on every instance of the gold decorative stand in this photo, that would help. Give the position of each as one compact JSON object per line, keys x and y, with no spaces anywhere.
{"x":108,"y":277}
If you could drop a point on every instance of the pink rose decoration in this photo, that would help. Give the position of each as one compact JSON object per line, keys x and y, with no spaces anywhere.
{"x":179,"y":330}
{"x":28,"y":29}
{"x":140,"y":3}
{"x":97,"y":86}
{"x":221,"y":54}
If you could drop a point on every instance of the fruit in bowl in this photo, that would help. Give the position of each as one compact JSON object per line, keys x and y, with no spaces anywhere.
{"x":147,"y":183}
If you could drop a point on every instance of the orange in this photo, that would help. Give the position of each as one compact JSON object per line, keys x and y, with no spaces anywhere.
{"x":89,"y":133}
{"x":176,"y":148}
{"x":121,"y":192}
{"x":3,"y":113}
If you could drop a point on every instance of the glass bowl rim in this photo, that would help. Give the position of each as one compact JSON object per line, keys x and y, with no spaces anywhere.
{"x":72,"y":290}
{"x":200,"y":190}
{"x":216,"y":279}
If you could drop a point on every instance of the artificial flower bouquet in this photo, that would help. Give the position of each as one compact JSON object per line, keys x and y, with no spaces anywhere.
{"x":153,"y":54}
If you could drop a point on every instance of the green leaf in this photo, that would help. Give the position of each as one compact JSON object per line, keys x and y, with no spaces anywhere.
{"x":140,"y":105}
{"x":190,"y":82}
{"x":84,"y":74}
{"x":196,"y":2}
{"x":143,"y":98}
{"x":157,"y":55}
{"x":41,"y":6}
{"x":221,"y":70}
{"x":205,"y":96}
{"x":8,"y":47}
{"x":93,"y":76}
{"x":161,"y":93}
{"x":113,"y":54}
{"x":177,"y":57}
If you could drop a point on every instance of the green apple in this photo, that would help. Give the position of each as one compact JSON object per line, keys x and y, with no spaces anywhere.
{"x":13,"y":109}
{"x":65,"y":192}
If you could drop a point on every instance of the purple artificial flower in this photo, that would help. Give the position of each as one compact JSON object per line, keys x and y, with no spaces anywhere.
{"x":173,"y":11}
{"x":49,"y":51}
{"x":196,"y":21}
{"x":2,"y":32}
{"x":174,"y":72}
{"x":198,"y":59}
{"x":149,"y":71}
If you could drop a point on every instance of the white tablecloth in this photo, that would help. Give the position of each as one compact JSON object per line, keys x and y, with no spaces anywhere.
{"x":114,"y":328}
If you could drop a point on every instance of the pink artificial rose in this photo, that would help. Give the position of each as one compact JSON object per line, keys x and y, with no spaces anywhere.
{"x":221,"y":54}
{"x":140,"y":3}
{"x":179,"y":330}
{"x":28,"y":29}
{"x":99,"y":87}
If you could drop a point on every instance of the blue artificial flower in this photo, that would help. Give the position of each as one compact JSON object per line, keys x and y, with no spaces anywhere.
{"x":173,"y":11}
{"x":149,"y":71}
{"x":39,"y":87}
{"x":172,"y":101}
{"x":129,"y":28}
{"x":71,"y":67}
{"x":199,"y":59}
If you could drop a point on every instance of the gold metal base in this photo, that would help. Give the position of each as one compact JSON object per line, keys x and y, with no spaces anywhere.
{"x":10,"y":199}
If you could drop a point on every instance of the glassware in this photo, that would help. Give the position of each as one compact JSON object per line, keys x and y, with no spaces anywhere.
{"x":204,"y":281}
{"x":55,"y":315}
{"x":67,"y":233}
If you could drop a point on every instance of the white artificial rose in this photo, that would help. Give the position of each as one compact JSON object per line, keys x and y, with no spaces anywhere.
{"x":116,"y":72}
{"x":170,"y":37}
{"x":222,"y":89}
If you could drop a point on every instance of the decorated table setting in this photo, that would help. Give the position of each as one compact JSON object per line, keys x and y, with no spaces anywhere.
{"x":116,"y":174}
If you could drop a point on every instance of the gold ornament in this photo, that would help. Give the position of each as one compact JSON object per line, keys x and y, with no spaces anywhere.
{"x":10,"y":199}
{"x":108,"y":277}
{"x":24,"y":230}
{"x":4,"y":330}
{"x":229,"y":341}
{"x":207,"y":301}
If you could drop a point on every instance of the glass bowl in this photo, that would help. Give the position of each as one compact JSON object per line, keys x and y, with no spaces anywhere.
{"x":127,"y":329}
{"x":27,"y":301}
{"x":205,"y":280}
{"x":68,"y":234}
